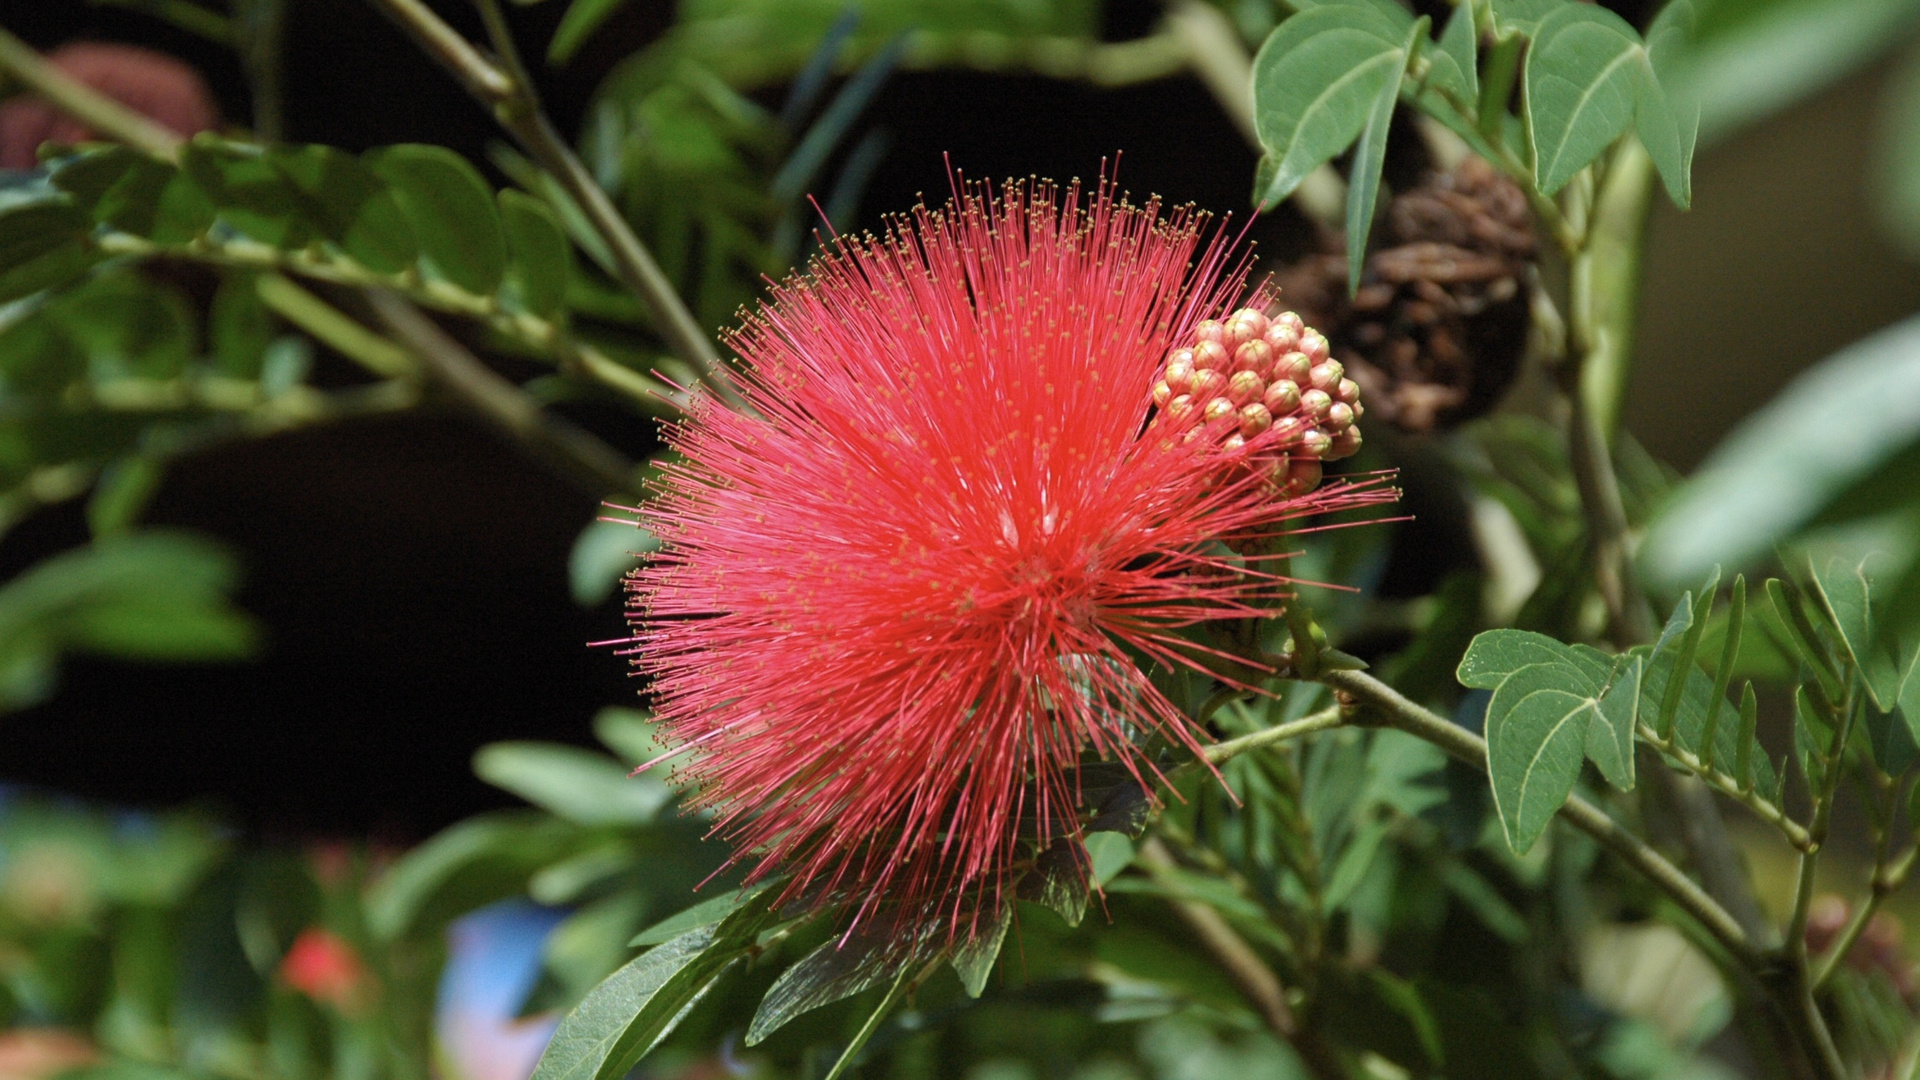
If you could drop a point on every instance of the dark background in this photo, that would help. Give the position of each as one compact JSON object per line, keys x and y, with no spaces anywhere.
{"x":411,"y":573}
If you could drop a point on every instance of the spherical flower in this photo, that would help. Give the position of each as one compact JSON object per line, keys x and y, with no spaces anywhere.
{"x":324,"y":967}
{"x":906,"y":592}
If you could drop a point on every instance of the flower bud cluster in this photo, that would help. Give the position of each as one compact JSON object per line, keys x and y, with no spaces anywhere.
{"x":1266,"y":390}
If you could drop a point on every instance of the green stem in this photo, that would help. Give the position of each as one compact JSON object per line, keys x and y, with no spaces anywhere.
{"x":332,"y":327}
{"x":1398,"y":711}
{"x":1818,"y":827}
{"x":1605,"y":284}
{"x":85,"y":104}
{"x":510,"y":93}
{"x":1765,"y":810}
{"x":597,"y":466}
{"x":537,"y":334}
{"x":1221,"y":753}
{"x":1887,"y":880}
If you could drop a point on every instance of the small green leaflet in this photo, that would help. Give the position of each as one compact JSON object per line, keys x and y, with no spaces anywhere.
{"x":1553,"y":706}
{"x":1589,"y":77}
{"x":1316,"y":81}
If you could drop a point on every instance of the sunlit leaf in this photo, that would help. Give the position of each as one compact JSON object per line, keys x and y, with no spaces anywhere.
{"x":1315,"y":83}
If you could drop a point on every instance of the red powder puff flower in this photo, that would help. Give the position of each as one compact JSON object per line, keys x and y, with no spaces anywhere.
{"x":901,"y":596}
{"x":321,"y":965}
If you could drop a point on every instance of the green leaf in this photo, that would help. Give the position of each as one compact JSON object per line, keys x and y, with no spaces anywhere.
{"x":1350,"y":869}
{"x":1522,"y":16}
{"x":583,"y":17}
{"x":627,"y":1015}
{"x":1768,"y":479}
{"x":463,"y":867}
{"x":452,"y":212}
{"x":1455,"y":62}
{"x":1369,"y":159}
{"x":123,"y":491}
{"x":579,"y":785}
{"x":1610,"y":737}
{"x":602,"y":555}
{"x":248,"y":191}
{"x":239,"y":327}
{"x":348,"y":205}
{"x":1580,"y":89}
{"x":1845,"y":589}
{"x":1891,"y":737}
{"x":127,"y":190}
{"x":844,"y":966}
{"x":705,"y":913}
{"x":630,"y":733}
{"x":42,"y":244}
{"x":1667,"y":116}
{"x":1058,"y":880}
{"x":973,"y":958}
{"x":1316,"y":81}
{"x":542,"y":261}
{"x":1690,"y":719}
{"x":1536,"y":739}
{"x":1495,"y":654}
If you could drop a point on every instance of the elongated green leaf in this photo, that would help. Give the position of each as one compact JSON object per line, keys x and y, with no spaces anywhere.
{"x":1667,"y":116}
{"x":1891,"y":738}
{"x":1350,"y":869}
{"x":871,"y":956}
{"x":1690,"y":719}
{"x":637,"y":1006}
{"x":1767,"y":480}
{"x":705,"y":913}
{"x":1580,"y":89}
{"x":583,"y":17}
{"x":1846,"y":590}
{"x":1315,"y":82}
{"x":452,"y":212}
{"x":578,"y":785}
{"x":973,"y":957}
{"x":1536,"y":739}
{"x":1369,"y":158}
{"x":1455,"y":63}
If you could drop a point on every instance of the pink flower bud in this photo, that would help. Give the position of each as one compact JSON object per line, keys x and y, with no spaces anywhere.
{"x":1218,"y":409}
{"x":1162,"y":393}
{"x":1282,"y":398}
{"x":1245,"y":386}
{"x":1315,"y":443}
{"x":1180,"y":372}
{"x":1206,"y":383}
{"x":1211,"y":356}
{"x":1327,"y":375}
{"x":1314,"y":345}
{"x":1315,"y":404}
{"x":1345,"y":445}
{"x":1254,"y":419}
{"x":1255,"y":356}
{"x":1181,"y":407}
{"x":1234,"y":444}
{"x":1293,"y":367}
{"x":1209,"y":330}
{"x":1302,"y":476}
{"x":1243,"y":326}
{"x":1348,"y":391}
{"x":1339,"y":417}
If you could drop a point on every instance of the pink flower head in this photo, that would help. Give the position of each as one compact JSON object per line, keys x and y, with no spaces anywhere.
{"x":901,"y":597}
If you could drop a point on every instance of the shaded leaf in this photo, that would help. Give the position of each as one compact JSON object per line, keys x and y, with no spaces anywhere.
{"x":1845,"y":589}
{"x":974,"y":957}
{"x":542,"y":258}
{"x":344,"y":202}
{"x":705,"y":913}
{"x":42,"y":244}
{"x":579,"y":785}
{"x":452,"y":212}
{"x":1369,"y":158}
{"x":1580,"y":89}
{"x":1455,"y":59}
{"x":874,"y":954}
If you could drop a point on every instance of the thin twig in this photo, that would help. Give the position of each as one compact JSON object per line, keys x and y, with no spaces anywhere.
{"x":1887,"y":880}
{"x":1222,"y":752}
{"x":596,"y":465}
{"x":85,"y":104}
{"x":1398,"y":711}
{"x":516,"y":106}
